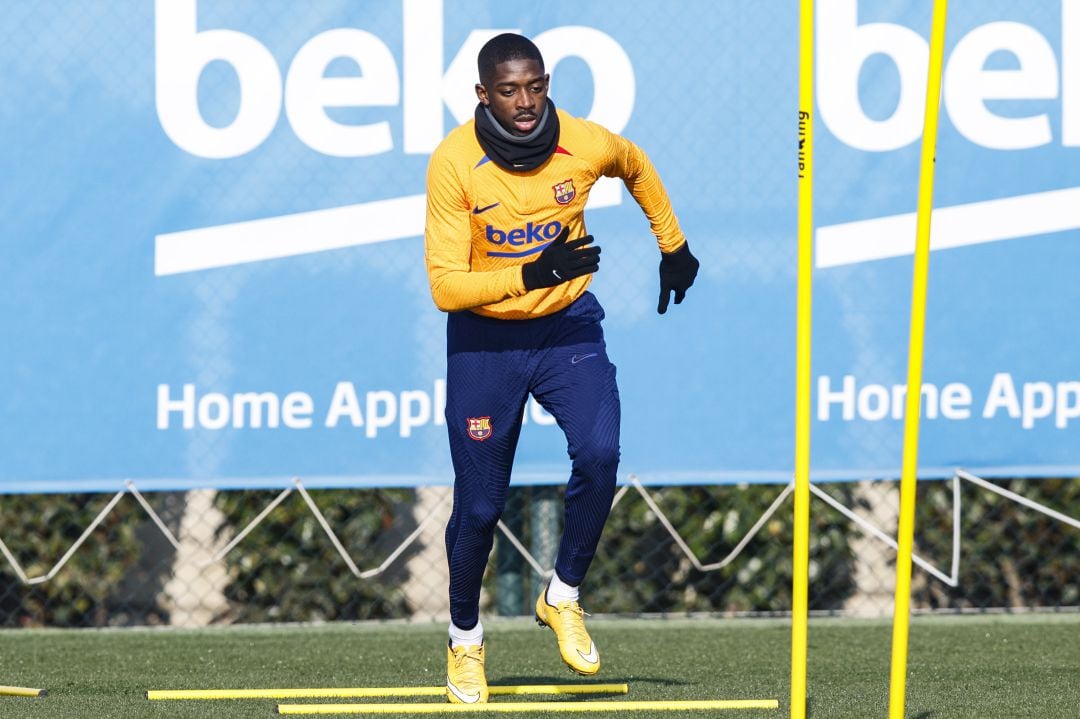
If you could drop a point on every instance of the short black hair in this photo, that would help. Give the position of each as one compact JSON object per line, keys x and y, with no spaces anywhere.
{"x":504,"y":48}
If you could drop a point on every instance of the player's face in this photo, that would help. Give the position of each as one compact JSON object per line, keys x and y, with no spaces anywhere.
{"x":516,"y":94}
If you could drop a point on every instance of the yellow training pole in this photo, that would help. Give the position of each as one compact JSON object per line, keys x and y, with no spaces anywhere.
{"x":21,"y":692}
{"x":541,"y":708}
{"x":906,"y":534}
{"x":359,"y":692}
{"x":801,"y":551}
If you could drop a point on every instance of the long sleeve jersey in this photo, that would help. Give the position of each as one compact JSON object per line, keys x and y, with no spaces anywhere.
{"x":484,"y":222}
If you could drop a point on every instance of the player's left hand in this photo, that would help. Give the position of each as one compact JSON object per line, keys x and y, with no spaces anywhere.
{"x":677,"y":272}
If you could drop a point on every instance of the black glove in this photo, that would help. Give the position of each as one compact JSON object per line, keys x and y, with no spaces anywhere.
{"x":561,"y":261}
{"x":677,"y":272}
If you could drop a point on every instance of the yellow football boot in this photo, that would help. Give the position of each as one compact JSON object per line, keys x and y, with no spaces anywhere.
{"x":567,"y":620}
{"x":465,"y":680}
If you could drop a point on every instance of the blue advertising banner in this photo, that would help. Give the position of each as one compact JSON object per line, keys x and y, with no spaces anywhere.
{"x":213,"y":268}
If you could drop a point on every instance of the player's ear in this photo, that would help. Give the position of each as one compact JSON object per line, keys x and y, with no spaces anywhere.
{"x":481,"y":94}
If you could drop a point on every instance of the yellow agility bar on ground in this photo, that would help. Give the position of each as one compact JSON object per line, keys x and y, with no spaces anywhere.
{"x":359,"y":692}
{"x":21,"y":692}
{"x":801,"y":542}
{"x":909,"y":468}
{"x":543,"y":707}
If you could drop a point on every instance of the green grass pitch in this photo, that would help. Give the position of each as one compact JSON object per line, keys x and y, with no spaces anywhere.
{"x":960,"y":666}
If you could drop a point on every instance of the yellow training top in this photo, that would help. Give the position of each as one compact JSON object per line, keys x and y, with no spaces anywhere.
{"x":483,"y":222}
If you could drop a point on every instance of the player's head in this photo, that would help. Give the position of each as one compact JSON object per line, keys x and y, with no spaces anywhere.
{"x":504,"y":48}
{"x":513,"y":84}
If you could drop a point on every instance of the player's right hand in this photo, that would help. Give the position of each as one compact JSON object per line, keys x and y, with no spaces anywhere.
{"x":561,"y":261}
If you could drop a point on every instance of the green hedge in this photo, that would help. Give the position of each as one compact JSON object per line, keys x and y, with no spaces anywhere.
{"x":39,"y":529}
{"x":1012,"y":556}
{"x":288,"y":570}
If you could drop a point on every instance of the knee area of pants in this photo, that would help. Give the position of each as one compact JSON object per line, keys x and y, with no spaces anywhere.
{"x":482,"y":518}
{"x":601,"y":457}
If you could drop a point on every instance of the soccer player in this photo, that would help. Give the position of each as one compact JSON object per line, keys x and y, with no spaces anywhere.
{"x":509,"y":260}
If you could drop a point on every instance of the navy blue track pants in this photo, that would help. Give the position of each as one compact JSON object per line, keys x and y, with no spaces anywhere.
{"x":492,"y":367}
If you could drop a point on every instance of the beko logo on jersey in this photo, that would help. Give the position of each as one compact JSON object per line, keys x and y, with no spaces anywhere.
{"x":539,"y":233}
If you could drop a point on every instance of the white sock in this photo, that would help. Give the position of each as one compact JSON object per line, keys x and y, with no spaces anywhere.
{"x":466,"y":637}
{"x":560,"y":591}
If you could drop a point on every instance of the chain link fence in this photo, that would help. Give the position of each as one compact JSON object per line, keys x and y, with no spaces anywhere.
{"x":206,"y":557}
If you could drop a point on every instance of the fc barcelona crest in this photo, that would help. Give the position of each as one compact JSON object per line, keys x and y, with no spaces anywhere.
{"x":564,"y":191}
{"x":479,"y":428}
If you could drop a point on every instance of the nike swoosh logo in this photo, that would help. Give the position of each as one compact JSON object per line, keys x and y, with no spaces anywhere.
{"x":478,"y":210}
{"x":592,"y":657}
{"x":581,"y":358}
{"x":465,"y":698}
